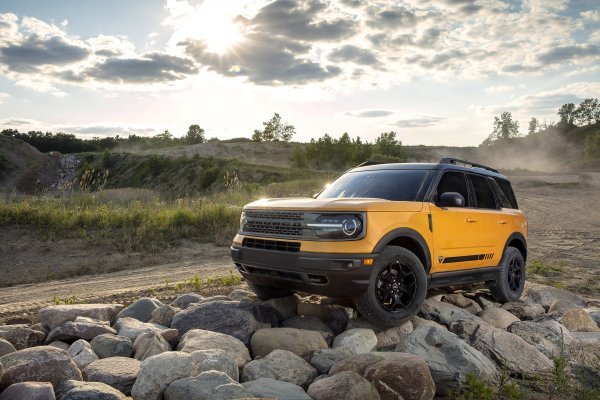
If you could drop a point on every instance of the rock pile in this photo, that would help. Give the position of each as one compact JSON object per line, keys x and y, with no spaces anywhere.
{"x":291,"y":348}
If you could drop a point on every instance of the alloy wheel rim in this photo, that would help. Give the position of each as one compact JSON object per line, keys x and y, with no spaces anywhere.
{"x":396,"y":287}
{"x":515,"y":274}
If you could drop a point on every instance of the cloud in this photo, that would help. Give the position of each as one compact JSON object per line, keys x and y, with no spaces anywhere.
{"x":419,"y":122}
{"x":499,"y":89}
{"x":391,"y":18}
{"x":590,"y":15}
{"x":106,"y":130}
{"x":350,"y":53}
{"x":562,"y":54}
{"x":370,"y":113}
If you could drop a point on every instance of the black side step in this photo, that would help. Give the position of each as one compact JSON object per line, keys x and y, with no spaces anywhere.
{"x":474,"y":275}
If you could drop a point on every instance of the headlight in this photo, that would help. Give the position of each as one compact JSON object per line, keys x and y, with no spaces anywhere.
{"x":337,"y":226}
{"x":242,"y":221}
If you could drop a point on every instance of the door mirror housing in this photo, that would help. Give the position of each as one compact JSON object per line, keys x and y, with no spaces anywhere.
{"x":451,"y":199}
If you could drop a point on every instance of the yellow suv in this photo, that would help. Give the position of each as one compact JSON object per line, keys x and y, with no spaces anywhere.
{"x":382,"y":234}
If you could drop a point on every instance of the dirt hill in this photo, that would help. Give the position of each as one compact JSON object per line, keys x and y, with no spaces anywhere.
{"x":16,"y":157}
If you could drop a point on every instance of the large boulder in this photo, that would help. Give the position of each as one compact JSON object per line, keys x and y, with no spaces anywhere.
{"x":75,"y":390}
{"x":210,"y":385}
{"x":548,"y":337}
{"x":54,"y":316}
{"x":445,"y":313}
{"x":323,"y":359}
{"x":109,"y":345}
{"x":449,"y":359}
{"x":394,"y":375}
{"x":243,"y":319}
{"x":300,"y":342}
{"x":22,"y":336}
{"x":157,"y":373}
{"x":82,"y":354}
{"x":285,"y":307}
{"x":334,"y":315}
{"x":215,"y":360}
{"x":149,"y":344}
{"x":71,"y":331}
{"x":578,"y":320}
{"x":390,"y":337}
{"x":243,"y":295}
{"x":309,"y":323}
{"x":6,"y":347}
{"x":281,"y":365}
{"x":38,"y":364}
{"x":524,"y":311}
{"x":498,"y":317}
{"x":141,"y":309}
{"x":184,"y":300}
{"x":132,"y":328}
{"x":459,"y":300}
{"x":274,"y":389}
{"x":164,"y":314}
{"x":117,"y":372}
{"x":346,"y":385}
{"x":358,"y":340}
{"x":546,"y":295}
{"x":29,"y":391}
{"x":198,"y":339}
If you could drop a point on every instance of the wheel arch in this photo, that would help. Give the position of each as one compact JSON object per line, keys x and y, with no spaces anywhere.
{"x":518,"y":241}
{"x":409,"y":239}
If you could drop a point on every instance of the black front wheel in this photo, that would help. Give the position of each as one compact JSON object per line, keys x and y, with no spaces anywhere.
{"x":510,"y":281}
{"x":265,"y":293}
{"x":397,"y":288}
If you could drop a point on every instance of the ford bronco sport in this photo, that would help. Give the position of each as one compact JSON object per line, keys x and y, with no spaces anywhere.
{"x":382,"y":234}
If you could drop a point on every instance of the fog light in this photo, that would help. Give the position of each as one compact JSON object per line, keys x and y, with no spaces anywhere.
{"x":368,"y":261}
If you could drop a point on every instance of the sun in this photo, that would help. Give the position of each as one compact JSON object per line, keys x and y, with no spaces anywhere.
{"x":214,"y":24}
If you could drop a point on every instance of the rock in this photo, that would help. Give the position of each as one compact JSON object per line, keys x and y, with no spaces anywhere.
{"x":132,"y":328}
{"x":185,"y":300}
{"x":75,"y":390}
{"x":117,"y":372}
{"x":546,"y":295}
{"x":29,"y":391}
{"x":487,"y":301}
{"x":498,"y":317}
{"x":91,"y":321}
{"x":323,"y":359}
{"x":198,"y":339}
{"x":39,"y":327}
{"x":449,"y":359}
{"x":358,"y":340}
{"x":285,"y":307}
{"x":71,"y":331}
{"x":595,"y":314}
{"x":559,"y":307}
{"x":394,"y":375}
{"x":418,"y":321}
{"x":274,"y":389}
{"x":356,"y":322}
{"x":334,"y":315}
{"x":163,"y":315}
{"x":149,"y":344}
{"x":21,"y":336}
{"x":577,"y":320}
{"x":243,"y":319}
{"x":141,"y":309}
{"x":345,"y":385}
{"x":82,"y":354}
{"x":157,"y":373}
{"x":110,"y":345}
{"x":38,"y":364}
{"x":309,"y":323}
{"x":281,"y":365}
{"x":219,"y":297}
{"x":524,"y":311}
{"x":6,"y":347}
{"x":546,"y":336}
{"x":504,"y":348}
{"x":243,"y":295}
{"x":214,"y":360}
{"x":463,"y":302}
{"x":54,"y":316}
{"x":300,"y":342}
{"x":389,"y":338}
{"x":60,"y":345}
{"x":445,"y":313}
{"x":210,"y":385}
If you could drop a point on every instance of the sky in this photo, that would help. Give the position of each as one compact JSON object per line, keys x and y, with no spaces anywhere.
{"x":436,"y":72}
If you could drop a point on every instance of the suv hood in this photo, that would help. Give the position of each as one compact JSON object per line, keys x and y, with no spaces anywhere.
{"x":354,"y":204}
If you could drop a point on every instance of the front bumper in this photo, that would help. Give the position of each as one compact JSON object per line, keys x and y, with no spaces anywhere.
{"x":333,"y":275}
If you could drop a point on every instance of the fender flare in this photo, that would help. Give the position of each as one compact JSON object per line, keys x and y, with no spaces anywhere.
{"x":519,"y":237}
{"x":410,"y":233}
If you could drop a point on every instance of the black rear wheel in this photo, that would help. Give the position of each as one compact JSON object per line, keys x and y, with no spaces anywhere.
{"x":265,"y":293}
{"x":396,"y":290}
{"x":510,"y":281}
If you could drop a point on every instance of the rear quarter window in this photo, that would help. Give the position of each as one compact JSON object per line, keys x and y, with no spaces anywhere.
{"x":506,"y":189}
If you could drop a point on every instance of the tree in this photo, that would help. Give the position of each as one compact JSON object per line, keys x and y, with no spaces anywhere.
{"x":166,"y":135}
{"x":587,"y":113}
{"x":592,"y":147}
{"x":504,"y":128}
{"x":533,"y":126}
{"x":387,"y":145}
{"x":567,"y":113}
{"x":194,"y":135}
{"x":274,"y":131}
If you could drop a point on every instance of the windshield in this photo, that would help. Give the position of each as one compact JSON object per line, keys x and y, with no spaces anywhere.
{"x":396,"y":185}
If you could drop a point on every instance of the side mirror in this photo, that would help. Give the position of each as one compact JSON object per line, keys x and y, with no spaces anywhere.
{"x":451,"y":199}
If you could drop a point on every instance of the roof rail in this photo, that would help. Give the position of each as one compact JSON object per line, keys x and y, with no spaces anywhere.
{"x":369,"y":162}
{"x":456,"y":161}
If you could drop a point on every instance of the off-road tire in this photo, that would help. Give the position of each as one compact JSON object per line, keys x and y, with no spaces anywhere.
{"x":501,"y":287}
{"x":265,"y":293}
{"x":368,"y":304}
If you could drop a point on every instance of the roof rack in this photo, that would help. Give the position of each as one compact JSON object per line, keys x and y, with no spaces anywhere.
{"x":456,"y":161}
{"x":367,"y":163}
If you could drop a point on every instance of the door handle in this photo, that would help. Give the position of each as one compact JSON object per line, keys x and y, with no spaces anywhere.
{"x":503,"y":221}
{"x":470,"y":220}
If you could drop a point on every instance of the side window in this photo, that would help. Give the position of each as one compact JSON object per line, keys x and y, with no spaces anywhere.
{"x":508,"y":192}
{"x":504,"y":203}
{"x":453,"y":182}
{"x":484,"y":196}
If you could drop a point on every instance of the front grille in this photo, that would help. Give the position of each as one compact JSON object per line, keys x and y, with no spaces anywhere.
{"x":278,"y":223}
{"x":271,"y":245}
